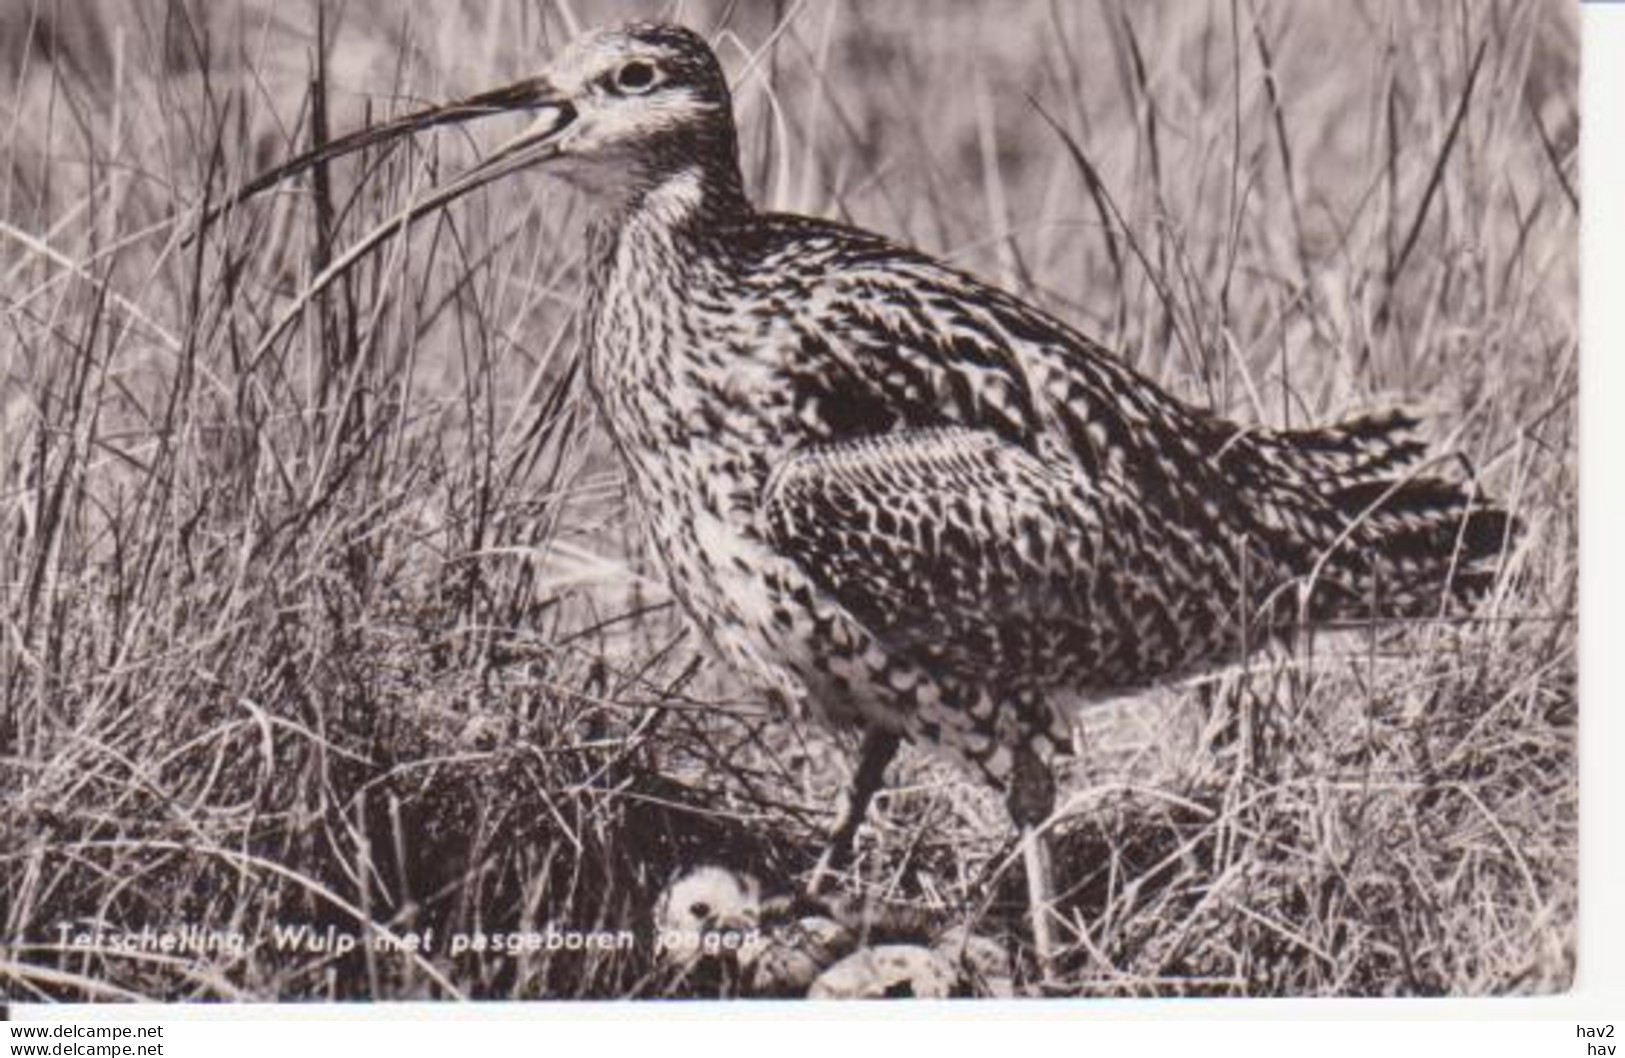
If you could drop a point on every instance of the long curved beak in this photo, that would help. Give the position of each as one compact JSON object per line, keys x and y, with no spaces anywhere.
{"x":554,"y":113}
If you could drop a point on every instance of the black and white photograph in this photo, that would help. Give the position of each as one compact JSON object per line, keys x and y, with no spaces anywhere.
{"x":731,"y":500}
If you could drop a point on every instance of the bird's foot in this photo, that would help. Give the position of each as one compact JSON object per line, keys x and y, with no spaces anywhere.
{"x":1031,"y":800}
{"x":878,"y":749}
{"x":1040,"y":898}
{"x":824,"y":871}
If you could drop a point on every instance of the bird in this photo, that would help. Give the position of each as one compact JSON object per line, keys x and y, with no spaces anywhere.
{"x":785,"y":945}
{"x":906,"y":503}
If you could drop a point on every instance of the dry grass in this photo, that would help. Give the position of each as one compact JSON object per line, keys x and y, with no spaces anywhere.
{"x":344,"y":627}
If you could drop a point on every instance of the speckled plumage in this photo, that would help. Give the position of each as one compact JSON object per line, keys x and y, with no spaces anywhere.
{"x":896,"y":497}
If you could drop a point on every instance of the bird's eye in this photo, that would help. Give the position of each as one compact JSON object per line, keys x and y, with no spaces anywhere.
{"x":699,"y":909}
{"x":636,"y":77}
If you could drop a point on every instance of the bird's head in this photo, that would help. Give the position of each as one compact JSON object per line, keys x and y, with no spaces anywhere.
{"x":629,"y":107}
{"x":623,"y":113}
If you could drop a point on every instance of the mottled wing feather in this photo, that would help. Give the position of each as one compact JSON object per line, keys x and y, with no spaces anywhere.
{"x":972,"y":556}
{"x":884,"y":357}
{"x":995,"y":494}
{"x":890,"y":339}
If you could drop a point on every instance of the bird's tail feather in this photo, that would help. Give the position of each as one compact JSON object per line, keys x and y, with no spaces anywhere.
{"x":1368,"y":448}
{"x":1412,"y":548}
{"x":1372,"y":538}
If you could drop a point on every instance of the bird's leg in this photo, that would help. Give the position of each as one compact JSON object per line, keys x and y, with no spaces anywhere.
{"x":878,"y":749}
{"x":1031,"y":799}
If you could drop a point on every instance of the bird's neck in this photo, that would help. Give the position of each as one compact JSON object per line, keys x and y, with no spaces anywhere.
{"x":661,"y":230}
{"x":684,"y":183}
{"x":647,"y":255}
{"x":679,"y":202}
{"x":648,"y":265}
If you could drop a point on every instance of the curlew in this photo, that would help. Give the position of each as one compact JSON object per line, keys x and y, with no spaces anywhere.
{"x":904,"y":502}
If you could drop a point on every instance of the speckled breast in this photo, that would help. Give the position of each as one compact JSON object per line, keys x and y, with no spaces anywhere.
{"x":696,"y":448}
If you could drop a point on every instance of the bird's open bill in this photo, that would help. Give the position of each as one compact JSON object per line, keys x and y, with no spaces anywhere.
{"x":554,"y":114}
